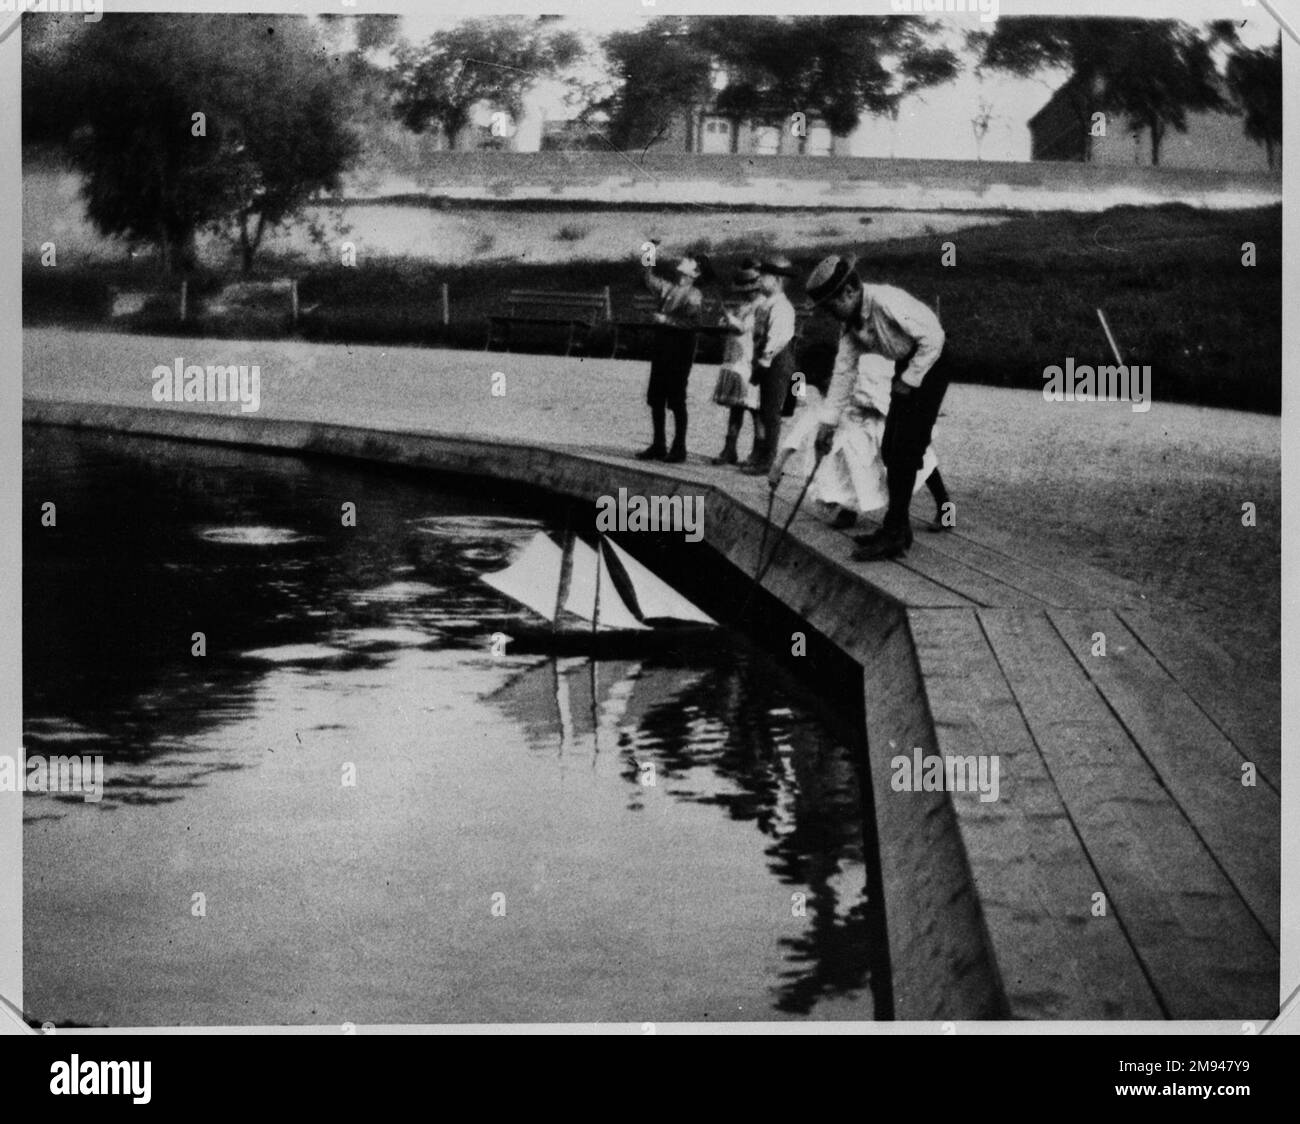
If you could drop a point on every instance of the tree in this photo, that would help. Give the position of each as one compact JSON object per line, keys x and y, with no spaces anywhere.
{"x":1153,"y":71}
{"x":480,"y":60}
{"x":204,"y":121}
{"x":833,"y":68}
{"x":830,"y":67}
{"x":660,"y":74}
{"x":1255,"y":81}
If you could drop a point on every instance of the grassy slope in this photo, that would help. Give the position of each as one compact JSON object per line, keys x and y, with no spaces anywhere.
{"x":1022,"y":296}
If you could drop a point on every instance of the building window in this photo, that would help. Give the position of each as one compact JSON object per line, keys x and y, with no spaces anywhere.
{"x":767,"y":140}
{"x":715,"y":136}
{"x":818,"y":141}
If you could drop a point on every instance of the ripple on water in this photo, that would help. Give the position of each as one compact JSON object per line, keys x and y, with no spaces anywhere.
{"x":252,"y":536}
{"x":385,"y":638}
{"x":296,"y":653}
{"x":474,"y":526}
{"x":396,"y":591}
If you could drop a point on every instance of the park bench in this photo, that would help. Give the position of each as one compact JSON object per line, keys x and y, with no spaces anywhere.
{"x":125,"y":303}
{"x":580,"y":313}
{"x":242,"y":300}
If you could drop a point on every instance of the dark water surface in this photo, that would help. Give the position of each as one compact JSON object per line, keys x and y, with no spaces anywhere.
{"x":499,"y":857}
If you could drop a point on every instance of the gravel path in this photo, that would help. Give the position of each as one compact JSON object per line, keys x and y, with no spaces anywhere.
{"x":1156,"y":497}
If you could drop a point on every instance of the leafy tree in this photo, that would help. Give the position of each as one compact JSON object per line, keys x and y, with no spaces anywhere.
{"x":1255,"y":81}
{"x":661,"y":75}
{"x":831,"y":67}
{"x":271,"y":134}
{"x":1153,"y":71}
{"x":834,"y":68}
{"x":493,"y":60}
{"x":52,"y":88}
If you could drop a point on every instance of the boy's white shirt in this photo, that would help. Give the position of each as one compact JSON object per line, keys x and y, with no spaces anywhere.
{"x":780,"y":326}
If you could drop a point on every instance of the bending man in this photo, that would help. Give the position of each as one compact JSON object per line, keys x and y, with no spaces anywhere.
{"x":883,"y":320}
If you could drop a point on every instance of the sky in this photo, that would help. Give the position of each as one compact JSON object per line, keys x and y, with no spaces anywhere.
{"x":936,"y":124}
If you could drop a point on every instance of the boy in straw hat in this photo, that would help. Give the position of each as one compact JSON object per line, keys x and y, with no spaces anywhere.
{"x":677,"y":318}
{"x":884,"y":320}
{"x":774,"y":362}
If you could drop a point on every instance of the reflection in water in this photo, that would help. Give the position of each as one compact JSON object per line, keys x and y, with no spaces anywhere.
{"x":690,"y":830}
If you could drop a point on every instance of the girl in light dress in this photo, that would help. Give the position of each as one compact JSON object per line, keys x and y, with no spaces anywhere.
{"x":734,"y":390}
{"x":852,"y":476}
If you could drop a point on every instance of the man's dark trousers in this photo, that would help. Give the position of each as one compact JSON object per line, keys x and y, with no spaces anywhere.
{"x":908,"y":431}
{"x":773,"y":386}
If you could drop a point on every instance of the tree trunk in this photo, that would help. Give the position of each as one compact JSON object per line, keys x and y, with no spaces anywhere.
{"x":178,"y":251}
{"x":248,"y":244}
{"x":1157,"y":139}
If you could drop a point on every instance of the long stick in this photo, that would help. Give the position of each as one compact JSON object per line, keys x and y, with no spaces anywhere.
{"x":767,"y":523}
{"x":763,"y":568}
{"x":790,"y":519}
{"x":1113,"y":345}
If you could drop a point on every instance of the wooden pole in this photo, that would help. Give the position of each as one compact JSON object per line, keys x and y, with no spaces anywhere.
{"x":446,"y":306}
{"x":1113,"y":345}
{"x":293,"y":299}
{"x":184,"y":298}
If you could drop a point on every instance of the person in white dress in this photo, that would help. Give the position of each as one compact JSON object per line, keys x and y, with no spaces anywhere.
{"x":734,"y":390}
{"x":853,"y":477}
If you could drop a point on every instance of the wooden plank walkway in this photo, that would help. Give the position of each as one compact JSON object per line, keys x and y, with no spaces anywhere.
{"x":1124,"y":870}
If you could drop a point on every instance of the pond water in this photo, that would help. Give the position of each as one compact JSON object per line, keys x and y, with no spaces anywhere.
{"x":347,"y":809}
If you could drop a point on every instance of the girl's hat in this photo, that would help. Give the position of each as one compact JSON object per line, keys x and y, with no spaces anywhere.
{"x":689,"y":267}
{"x":745,"y":281}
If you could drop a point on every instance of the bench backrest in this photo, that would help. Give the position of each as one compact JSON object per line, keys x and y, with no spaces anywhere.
{"x":255,"y":292}
{"x":585,"y":305}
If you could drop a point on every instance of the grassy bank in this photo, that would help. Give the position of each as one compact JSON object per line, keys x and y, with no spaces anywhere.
{"x":1022,"y":296}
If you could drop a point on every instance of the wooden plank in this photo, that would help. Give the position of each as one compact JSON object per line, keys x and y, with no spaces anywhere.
{"x":1033,"y":585}
{"x":1103,"y":587}
{"x":1040,"y":586}
{"x":942,"y":964}
{"x":1246,"y":707}
{"x":1031,"y":870}
{"x":953,"y":572}
{"x":1200,"y":767}
{"x":1204,"y":951}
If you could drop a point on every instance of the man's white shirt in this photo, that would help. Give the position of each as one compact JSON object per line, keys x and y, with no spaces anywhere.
{"x":893,"y":324}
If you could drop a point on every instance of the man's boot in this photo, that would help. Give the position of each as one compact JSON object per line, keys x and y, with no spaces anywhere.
{"x":677,"y":453}
{"x":895,"y":535}
{"x":657,"y":450}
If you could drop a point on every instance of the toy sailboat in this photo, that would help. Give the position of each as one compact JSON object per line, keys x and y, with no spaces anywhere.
{"x":592,"y":598}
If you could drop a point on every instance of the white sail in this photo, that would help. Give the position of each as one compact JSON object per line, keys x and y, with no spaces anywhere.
{"x":533,"y":579}
{"x":582,"y":593}
{"x":655,"y":598}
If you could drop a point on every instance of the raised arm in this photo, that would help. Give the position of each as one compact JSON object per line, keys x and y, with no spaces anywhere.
{"x":654,"y":282}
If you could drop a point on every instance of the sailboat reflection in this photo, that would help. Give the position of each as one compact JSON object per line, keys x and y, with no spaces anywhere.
{"x":721,"y":735}
{"x":580,"y":702}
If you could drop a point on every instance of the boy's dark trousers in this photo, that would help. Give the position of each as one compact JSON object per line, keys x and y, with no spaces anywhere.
{"x":773,"y":386}
{"x":908,"y":431}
